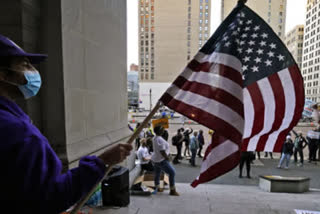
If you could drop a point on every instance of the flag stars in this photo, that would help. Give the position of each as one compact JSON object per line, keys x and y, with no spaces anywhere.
{"x":264,"y":35}
{"x":268,"y":62}
{"x":280,"y":57}
{"x":246,"y":59}
{"x":242,"y":43}
{"x":244,"y":68}
{"x":247,"y":29}
{"x":272,"y":46}
{"x":249,"y":50}
{"x":252,"y":43}
{"x":234,"y":33}
{"x":249,"y":22}
{"x":239,"y":50}
{"x":255,"y":69}
{"x":270,"y":54}
{"x":257,"y":60}
{"x":227,"y":44}
{"x":263,"y":43}
{"x":244,"y":35}
{"x":243,"y":15}
{"x":237,"y":41}
{"x":260,"y":51}
{"x":256,"y":28}
{"x":254,"y":35}
{"x":225,"y":38}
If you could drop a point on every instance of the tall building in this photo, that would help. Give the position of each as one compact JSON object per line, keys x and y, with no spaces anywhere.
{"x":272,"y":11}
{"x":311,"y":51}
{"x":294,"y":43}
{"x":170,"y":34}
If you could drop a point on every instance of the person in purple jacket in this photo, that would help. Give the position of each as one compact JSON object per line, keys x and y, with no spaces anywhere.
{"x":31,"y":180}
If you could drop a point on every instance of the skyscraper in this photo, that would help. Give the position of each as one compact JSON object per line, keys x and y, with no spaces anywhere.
{"x":294,"y":43}
{"x":272,"y":11}
{"x":311,"y":51}
{"x":170,"y":33}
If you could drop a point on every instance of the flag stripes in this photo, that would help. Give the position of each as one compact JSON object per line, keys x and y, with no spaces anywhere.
{"x":278,"y":102}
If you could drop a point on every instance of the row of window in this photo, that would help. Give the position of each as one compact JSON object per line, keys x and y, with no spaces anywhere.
{"x":146,"y":76}
{"x":309,"y":77}
{"x":314,"y":91}
{"x":314,"y":99}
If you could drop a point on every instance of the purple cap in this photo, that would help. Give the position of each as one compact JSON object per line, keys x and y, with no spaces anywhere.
{"x":9,"y":48}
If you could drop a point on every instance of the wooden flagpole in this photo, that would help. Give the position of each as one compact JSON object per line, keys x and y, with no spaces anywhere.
{"x":133,"y":136}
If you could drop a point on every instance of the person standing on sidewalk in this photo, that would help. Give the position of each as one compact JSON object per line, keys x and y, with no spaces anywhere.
{"x":31,"y":172}
{"x":194,"y":147}
{"x":313,"y":139}
{"x":186,"y":139}
{"x":246,"y":157}
{"x":298,"y":148}
{"x":201,"y":142}
{"x":161,"y":161}
{"x":177,"y":141}
{"x":287,"y":151}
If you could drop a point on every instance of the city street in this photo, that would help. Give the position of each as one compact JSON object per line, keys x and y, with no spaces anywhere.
{"x":266,"y":166}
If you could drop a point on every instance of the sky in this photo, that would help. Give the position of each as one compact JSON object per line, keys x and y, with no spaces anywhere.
{"x":295,"y":16}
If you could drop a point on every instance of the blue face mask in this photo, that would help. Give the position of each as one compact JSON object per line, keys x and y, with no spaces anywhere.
{"x":33,"y":85}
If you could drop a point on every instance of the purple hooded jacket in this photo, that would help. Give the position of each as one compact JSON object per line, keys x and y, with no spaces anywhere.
{"x":30,"y":179}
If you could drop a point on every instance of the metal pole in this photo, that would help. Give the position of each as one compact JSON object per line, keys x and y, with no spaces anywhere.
{"x":150,"y":97}
{"x":133,"y":136}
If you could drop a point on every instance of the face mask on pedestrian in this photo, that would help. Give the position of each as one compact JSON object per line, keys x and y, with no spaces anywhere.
{"x":33,"y":83}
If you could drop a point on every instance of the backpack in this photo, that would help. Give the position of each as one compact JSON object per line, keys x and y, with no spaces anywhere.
{"x":174,"y":140}
{"x":296,"y":142}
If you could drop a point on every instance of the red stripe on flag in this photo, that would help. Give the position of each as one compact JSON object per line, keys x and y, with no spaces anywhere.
{"x":299,"y":92}
{"x":278,"y":92}
{"x":258,"y":105}
{"x":225,"y":71}
{"x":203,"y":117}
{"x":210,"y":92}
{"x":219,"y":168}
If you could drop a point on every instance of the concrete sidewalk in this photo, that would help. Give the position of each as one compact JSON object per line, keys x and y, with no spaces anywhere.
{"x":219,"y":199}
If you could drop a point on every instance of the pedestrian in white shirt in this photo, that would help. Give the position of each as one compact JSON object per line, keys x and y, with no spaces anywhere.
{"x":160,"y":159}
{"x":144,"y":156}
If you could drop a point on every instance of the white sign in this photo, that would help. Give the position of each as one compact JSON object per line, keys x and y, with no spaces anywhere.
{"x":306,"y":212}
{"x":313,"y":134}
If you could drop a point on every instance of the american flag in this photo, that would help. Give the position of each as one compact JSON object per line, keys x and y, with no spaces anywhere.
{"x":245,"y":85}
